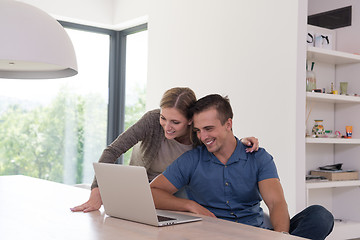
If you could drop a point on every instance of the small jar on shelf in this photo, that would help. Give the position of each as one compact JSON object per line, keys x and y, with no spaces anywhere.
{"x":318,"y":129}
{"x":310,"y":81}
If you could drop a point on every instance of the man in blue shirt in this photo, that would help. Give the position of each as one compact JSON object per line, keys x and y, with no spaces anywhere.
{"x":223,"y":181}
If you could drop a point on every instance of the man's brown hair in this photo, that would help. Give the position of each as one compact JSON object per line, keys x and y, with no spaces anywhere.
{"x":219,"y":103}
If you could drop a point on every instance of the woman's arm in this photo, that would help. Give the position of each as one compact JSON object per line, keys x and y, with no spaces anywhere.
{"x":141,"y":130}
{"x":94,"y":203}
{"x":252,"y":143}
{"x":137,"y":132}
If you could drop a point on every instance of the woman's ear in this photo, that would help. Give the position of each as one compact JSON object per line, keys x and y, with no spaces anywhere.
{"x":190,"y":122}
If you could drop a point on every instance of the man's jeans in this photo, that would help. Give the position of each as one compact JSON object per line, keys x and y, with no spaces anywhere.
{"x":315,"y":222}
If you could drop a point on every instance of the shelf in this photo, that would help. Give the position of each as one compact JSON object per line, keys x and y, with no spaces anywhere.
{"x":337,"y":196}
{"x":332,"y":184}
{"x":331,"y":56}
{"x":346,"y":229}
{"x":333,"y":140}
{"x":331,"y":98}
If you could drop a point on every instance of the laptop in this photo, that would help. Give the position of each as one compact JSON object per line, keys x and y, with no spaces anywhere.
{"x":125,"y":192}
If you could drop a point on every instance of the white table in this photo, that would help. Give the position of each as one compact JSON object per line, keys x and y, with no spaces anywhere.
{"x":31,"y":208}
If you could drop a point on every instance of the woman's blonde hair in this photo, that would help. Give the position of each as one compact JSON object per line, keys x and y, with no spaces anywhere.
{"x":180,"y":98}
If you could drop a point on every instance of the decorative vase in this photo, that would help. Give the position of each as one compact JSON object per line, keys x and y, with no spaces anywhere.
{"x":318,"y":129}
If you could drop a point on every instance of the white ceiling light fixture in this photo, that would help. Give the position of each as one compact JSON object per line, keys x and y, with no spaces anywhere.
{"x":33,"y":45}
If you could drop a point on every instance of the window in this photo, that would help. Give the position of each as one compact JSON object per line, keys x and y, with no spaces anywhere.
{"x":135,"y":80}
{"x":54,"y":129}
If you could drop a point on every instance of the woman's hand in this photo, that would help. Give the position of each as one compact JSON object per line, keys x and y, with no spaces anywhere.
{"x":94,"y":203}
{"x":252,"y":142}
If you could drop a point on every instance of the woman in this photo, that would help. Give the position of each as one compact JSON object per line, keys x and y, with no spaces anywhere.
{"x":160,"y":142}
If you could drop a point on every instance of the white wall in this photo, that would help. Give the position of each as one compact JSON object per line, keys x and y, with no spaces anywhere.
{"x":244,"y":49}
{"x":89,"y":12}
{"x":109,"y":14}
{"x":130,"y":13}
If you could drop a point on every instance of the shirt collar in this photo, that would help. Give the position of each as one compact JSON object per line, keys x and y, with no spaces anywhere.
{"x":238,"y":154}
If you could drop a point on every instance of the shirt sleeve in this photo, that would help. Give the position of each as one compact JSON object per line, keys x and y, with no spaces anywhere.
{"x":266,"y":165}
{"x":180,"y":171}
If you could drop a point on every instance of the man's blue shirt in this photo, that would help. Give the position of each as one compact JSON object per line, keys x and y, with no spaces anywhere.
{"x":229,"y":191}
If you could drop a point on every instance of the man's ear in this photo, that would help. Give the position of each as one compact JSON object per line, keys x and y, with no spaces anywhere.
{"x":228,"y":124}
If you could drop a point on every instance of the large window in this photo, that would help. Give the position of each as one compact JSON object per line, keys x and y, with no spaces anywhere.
{"x":54,"y":129}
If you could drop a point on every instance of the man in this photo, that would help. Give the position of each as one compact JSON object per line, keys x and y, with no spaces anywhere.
{"x":223,"y":181}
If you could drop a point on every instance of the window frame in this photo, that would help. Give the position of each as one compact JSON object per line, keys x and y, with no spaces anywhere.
{"x":117,"y":66}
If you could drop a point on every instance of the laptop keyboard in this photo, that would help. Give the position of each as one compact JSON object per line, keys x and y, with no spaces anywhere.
{"x":163,"y":218}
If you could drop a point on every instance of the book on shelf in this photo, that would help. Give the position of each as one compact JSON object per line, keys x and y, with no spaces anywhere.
{"x":337,"y":175}
{"x":315,"y":178}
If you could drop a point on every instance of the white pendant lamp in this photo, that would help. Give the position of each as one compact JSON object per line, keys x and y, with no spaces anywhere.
{"x":33,"y":45}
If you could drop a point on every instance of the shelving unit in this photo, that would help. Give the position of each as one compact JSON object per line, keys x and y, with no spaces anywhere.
{"x":346,"y":229}
{"x":331,"y":56}
{"x":337,"y":111}
{"x":332,"y":140}
{"x":331,"y":98}
{"x":332,"y":184}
